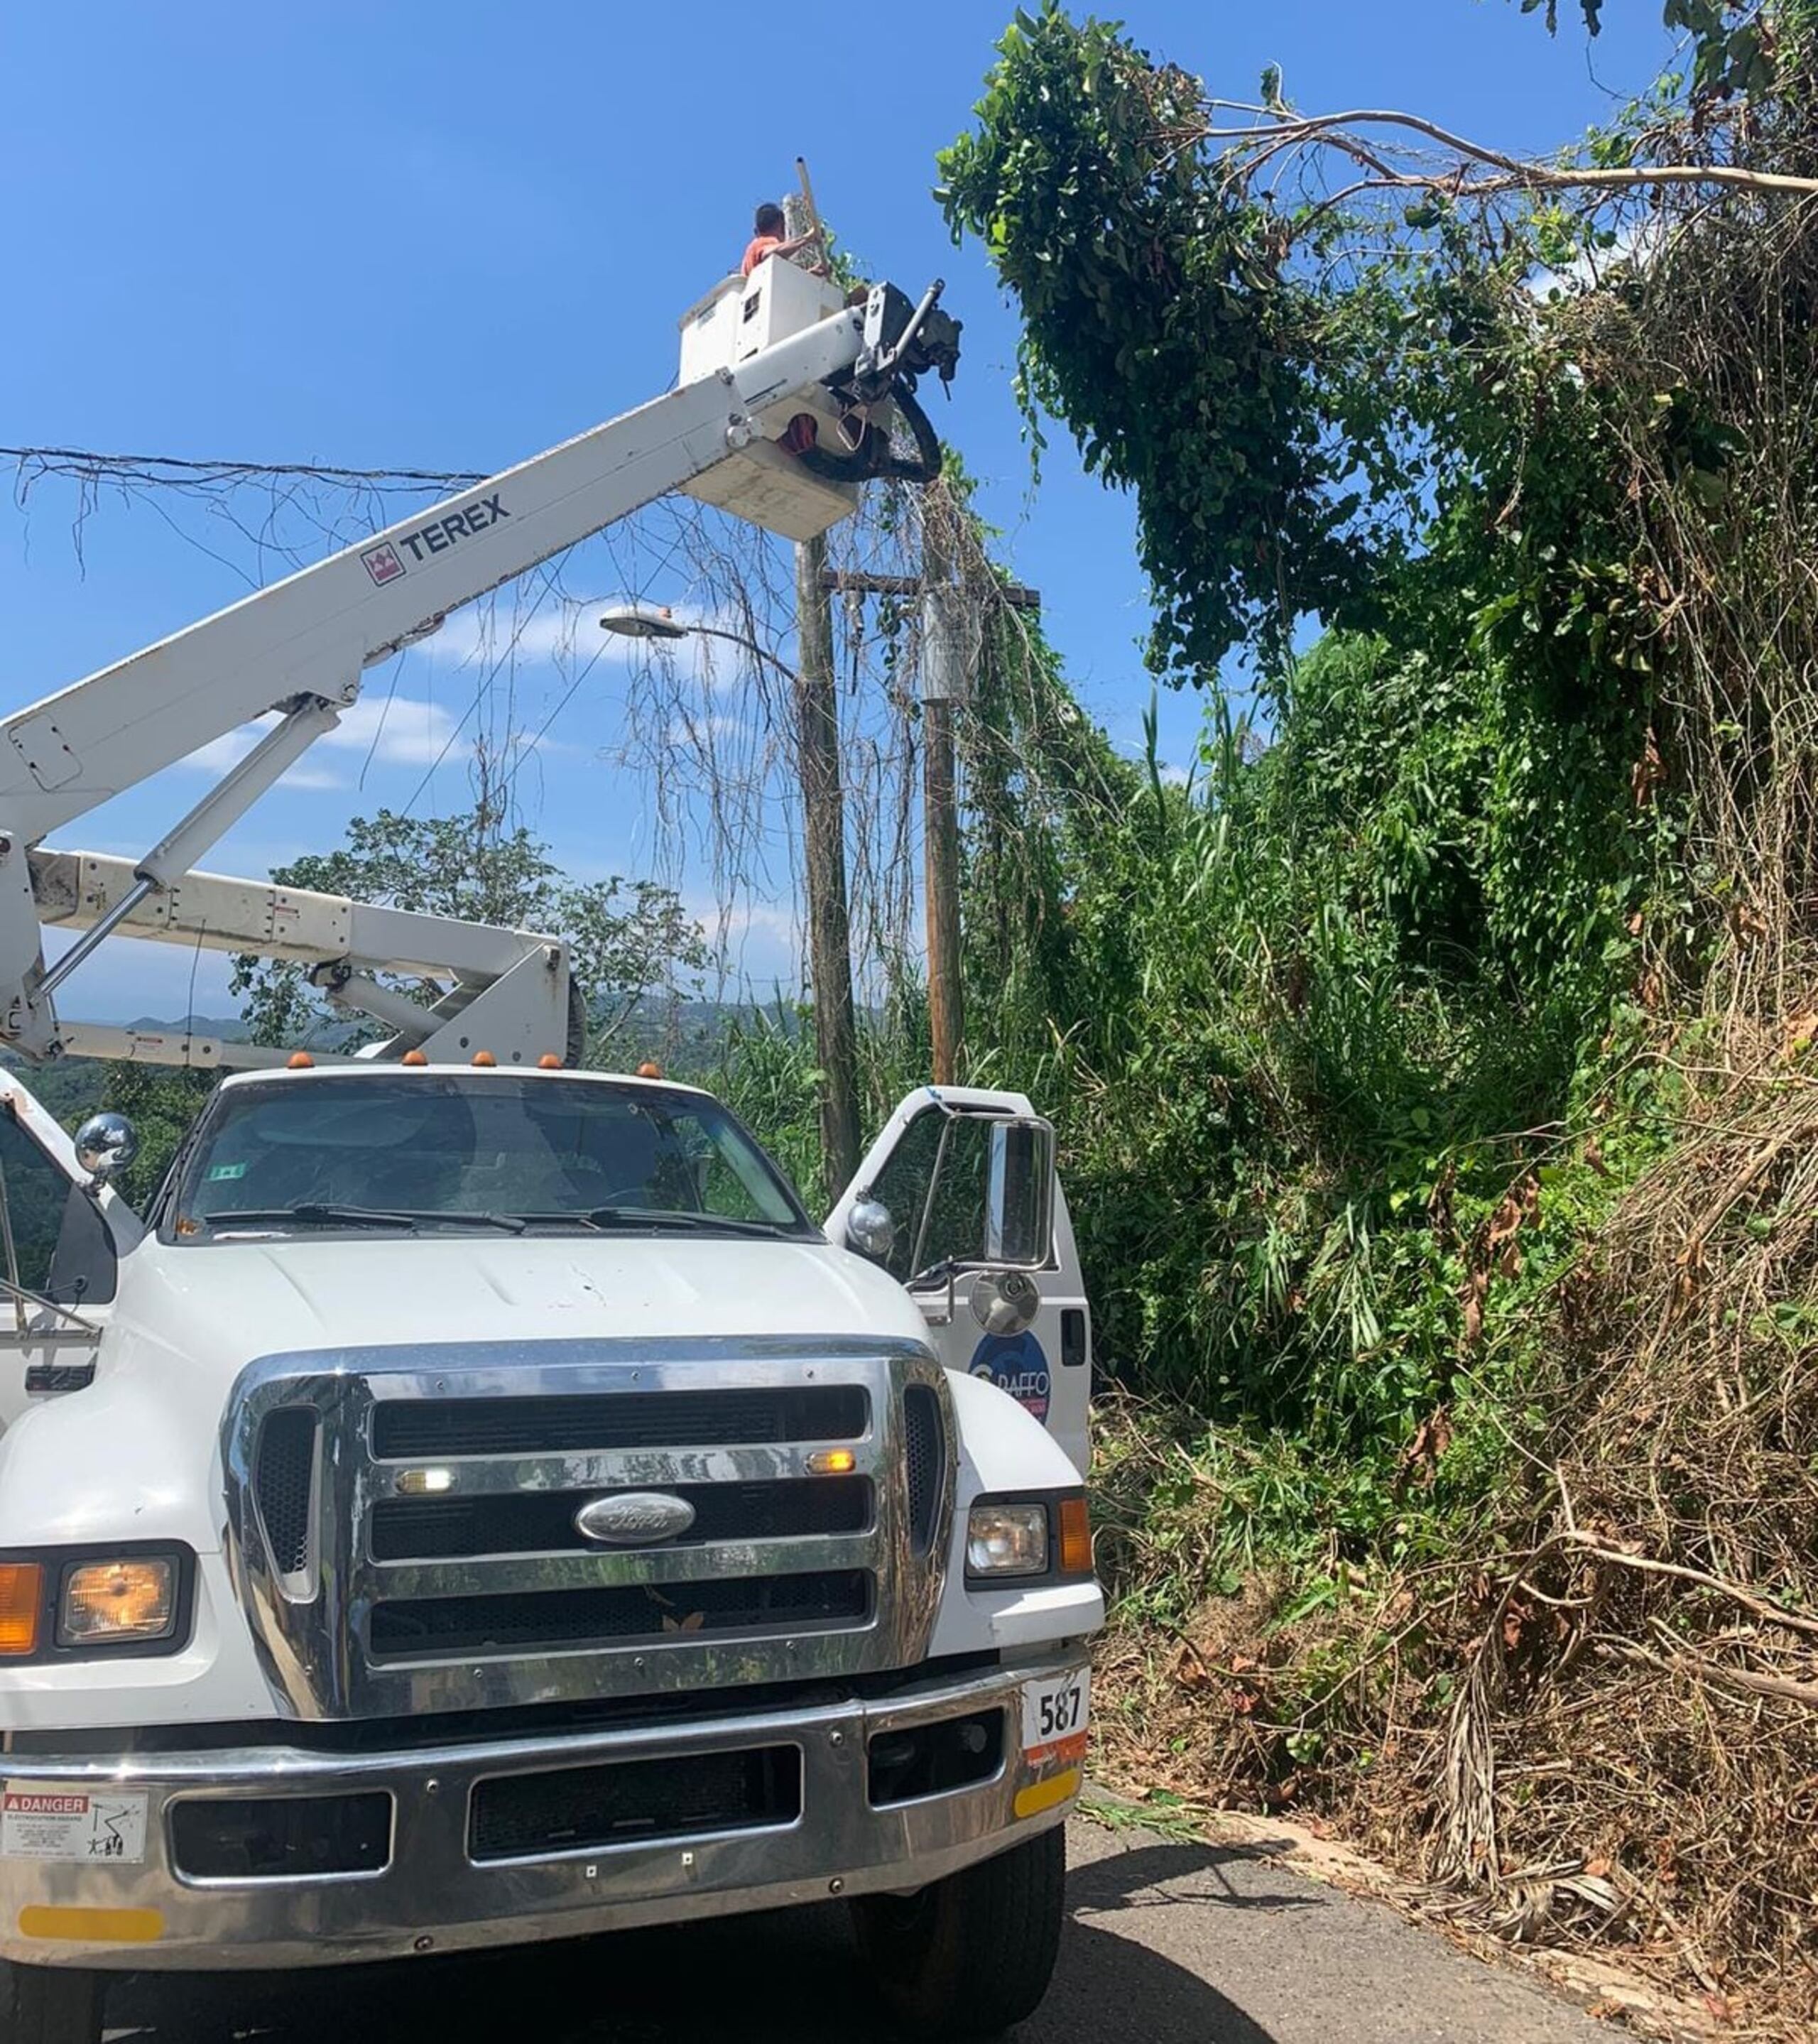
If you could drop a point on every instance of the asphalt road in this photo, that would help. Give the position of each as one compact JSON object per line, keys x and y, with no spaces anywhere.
{"x":1165,"y":1943}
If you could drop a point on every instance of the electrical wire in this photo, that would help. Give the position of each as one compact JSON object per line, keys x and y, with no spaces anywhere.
{"x":152,"y":468}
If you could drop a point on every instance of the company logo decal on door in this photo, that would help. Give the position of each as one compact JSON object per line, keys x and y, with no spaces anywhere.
{"x":1014,"y":1363}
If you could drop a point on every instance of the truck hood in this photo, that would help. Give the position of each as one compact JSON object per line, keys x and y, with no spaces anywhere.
{"x":220,"y":1305}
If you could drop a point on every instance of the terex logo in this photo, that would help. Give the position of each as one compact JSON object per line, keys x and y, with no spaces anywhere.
{"x":441,"y":533}
{"x":386,"y":563}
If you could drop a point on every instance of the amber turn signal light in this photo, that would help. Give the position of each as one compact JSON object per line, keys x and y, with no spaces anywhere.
{"x":1075,"y":1537}
{"x":21,"y":1602}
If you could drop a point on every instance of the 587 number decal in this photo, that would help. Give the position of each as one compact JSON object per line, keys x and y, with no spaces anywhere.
{"x":1055,"y":1711}
{"x":1057,"y":1716}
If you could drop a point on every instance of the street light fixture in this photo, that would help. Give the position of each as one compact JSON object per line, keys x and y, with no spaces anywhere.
{"x":650,"y":620}
{"x":642,"y":620}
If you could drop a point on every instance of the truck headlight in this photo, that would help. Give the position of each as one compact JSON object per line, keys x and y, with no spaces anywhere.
{"x":78,"y":1603}
{"x":132,"y":1601}
{"x":1019,"y":1539}
{"x":1008,"y":1539}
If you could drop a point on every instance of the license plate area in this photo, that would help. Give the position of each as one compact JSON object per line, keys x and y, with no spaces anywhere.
{"x":1056,"y":1709}
{"x":633,"y":1802}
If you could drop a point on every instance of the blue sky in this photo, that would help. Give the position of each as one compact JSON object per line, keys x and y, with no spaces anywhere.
{"x":447,"y":238}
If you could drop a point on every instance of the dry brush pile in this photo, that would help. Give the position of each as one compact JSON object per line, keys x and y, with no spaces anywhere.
{"x":1601,"y":1725}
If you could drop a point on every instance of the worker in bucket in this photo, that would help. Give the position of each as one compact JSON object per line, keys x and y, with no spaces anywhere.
{"x":771,"y":237}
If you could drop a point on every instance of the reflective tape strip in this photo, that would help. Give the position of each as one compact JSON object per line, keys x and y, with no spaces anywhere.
{"x":92,"y":1927}
{"x":1041,"y":1796}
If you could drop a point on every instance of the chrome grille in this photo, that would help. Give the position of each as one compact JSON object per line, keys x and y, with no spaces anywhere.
{"x":435,"y":1625}
{"x":543,"y":1522}
{"x":403,"y":1429}
{"x":924,"y":1457}
{"x":517,"y":1816}
{"x":446,"y":1569}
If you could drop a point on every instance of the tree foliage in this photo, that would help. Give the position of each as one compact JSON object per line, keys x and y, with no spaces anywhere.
{"x":1469,"y":980}
{"x":1290,"y":378}
{"x":1733,"y":42}
{"x":626,"y":938}
{"x":1159,"y":323}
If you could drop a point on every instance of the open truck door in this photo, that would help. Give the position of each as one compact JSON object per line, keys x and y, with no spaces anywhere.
{"x":63,"y":1231}
{"x":959,"y":1200}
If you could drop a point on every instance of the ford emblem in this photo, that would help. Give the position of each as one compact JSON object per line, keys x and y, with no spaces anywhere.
{"x":634,"y":1517}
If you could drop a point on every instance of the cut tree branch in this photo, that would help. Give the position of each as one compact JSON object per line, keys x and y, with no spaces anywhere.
{"x":1275,"y":132}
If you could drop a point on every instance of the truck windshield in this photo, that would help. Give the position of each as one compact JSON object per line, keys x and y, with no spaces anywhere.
{"x":430,"y":1150}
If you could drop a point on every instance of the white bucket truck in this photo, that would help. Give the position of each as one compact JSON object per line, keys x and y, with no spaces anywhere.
{"x":475,"y":1504}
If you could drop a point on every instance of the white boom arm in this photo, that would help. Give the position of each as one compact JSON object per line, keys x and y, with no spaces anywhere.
{"x":301,"y":646}
{"x":507,"y":992}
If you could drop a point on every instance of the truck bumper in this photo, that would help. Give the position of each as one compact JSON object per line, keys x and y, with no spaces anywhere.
{"x":446,"y":1885}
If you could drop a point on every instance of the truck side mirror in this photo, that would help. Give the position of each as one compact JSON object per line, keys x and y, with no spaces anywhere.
{"x":1019,"y":1211}
{"x":870,"y":1231}
{"x":990,"y":1198}
{"x":106,"y":1145}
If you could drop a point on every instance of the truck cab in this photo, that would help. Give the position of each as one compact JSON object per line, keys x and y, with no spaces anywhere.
{"x":476,"y":1505}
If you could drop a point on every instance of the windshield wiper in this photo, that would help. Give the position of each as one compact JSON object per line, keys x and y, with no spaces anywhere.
{"x":321,"y":1213}
{"x":606,"y":1219}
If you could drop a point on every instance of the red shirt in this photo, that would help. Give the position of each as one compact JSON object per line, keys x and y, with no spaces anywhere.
{"x":759,"y":248}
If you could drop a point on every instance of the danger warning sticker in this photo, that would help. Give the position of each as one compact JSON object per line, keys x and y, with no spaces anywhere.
{"x":72,"y":1825}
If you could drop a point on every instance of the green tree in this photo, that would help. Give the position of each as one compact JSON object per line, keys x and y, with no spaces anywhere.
{"x":626,"y":938}
{"x":1293,"y":336}
{"x":1733,"y":42}
{"x":1160,"y":323}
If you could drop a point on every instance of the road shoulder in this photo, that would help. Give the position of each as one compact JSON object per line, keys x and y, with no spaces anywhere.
{"x":1579,"y":1986}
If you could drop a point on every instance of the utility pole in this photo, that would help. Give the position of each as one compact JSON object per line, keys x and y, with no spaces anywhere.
{"x":823,"y":836}
{"x":823,"y":822}
{"x":949,"y":644}
{"x":943,"y":686}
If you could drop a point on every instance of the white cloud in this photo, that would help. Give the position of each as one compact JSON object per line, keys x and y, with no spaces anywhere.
{"x":402,"y":731}
{"x":487,"y":636}
{"x":397,"y":730}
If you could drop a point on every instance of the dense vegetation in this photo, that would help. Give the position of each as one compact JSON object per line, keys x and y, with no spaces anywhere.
{"x":1434,"y":1069}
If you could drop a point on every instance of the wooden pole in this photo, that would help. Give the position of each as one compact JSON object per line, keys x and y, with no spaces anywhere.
{"x":824,"y":831}
{"x":946,"y":1001}
{"x":944,"y":657}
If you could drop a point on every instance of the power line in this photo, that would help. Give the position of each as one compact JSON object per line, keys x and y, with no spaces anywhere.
{"x":86,"y":464}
